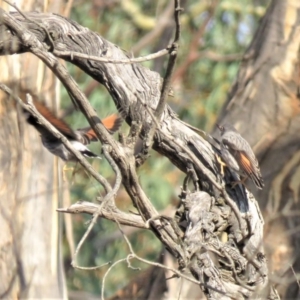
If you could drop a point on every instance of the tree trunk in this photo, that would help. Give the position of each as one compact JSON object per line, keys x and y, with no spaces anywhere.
{"x":264,"y":106}
{"x":31,"y":265}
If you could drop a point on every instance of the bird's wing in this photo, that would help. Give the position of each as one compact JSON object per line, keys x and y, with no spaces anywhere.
{"x":245,"y":163}
{"x":236,"y":143}
{"x":112,"y":123}
{"x":250,"y":168}
{"x":59,"y":124}
{"x":244,"y":155}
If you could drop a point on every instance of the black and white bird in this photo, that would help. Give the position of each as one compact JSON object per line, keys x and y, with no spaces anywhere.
{"x":78,"y":138}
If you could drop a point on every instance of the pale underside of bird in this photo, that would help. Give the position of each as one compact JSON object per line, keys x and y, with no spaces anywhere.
{"x":238,"y":155}
{"x":78,"y":138}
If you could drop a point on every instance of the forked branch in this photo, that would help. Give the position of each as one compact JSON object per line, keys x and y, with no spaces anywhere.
{"x":213,"y":210}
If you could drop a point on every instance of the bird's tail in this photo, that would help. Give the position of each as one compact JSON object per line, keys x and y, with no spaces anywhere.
{"x":89,"y":154}
{"x":112,"y":123}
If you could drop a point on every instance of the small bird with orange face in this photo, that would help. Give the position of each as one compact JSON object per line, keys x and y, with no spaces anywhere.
{"x":78,"y":138}
{"x":238,"y":155}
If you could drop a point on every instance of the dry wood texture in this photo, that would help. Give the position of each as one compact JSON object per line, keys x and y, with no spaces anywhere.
{"x":30,"y":265}
{"x":234,"y":266}
{"x":264,"y":106}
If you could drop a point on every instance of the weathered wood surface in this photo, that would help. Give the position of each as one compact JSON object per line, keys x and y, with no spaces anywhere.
{"x":30,"y":262}
{"x":132,"y":87}
{"x":264,"y":106}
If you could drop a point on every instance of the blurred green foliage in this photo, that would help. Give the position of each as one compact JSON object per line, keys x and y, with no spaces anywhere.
{"x":214,"y":37}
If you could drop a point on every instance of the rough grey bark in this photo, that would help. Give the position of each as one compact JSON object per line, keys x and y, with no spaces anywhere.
{"x":221,"y":209}
{"x":264,"y":106}
{"x":30,"y":262}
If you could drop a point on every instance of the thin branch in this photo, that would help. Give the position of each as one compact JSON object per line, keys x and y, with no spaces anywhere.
{"x":108,"y":60}
{"x":81,"y":159}
{"x":106,"y":274}
{"x":160,"y":25}
{"x":193,"y":47}
{"x":148,"y":262}
{"x":112,"y":214}
{"x":32,"y":21}
{"x":171,"y":64}
{"x":88,"y":90}
{"x":110,"y":196}
{"x":116,"y":169}
{"x":206,"y":172}
{"x":79,"y":99}
{"x":169,"y":211}
{"x":167,"y":80}
{"x":92,"y":268}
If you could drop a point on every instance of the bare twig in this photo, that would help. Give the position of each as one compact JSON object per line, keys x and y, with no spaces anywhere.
{"x":32,"y":21}
{"x":148,"y":142}
{"x":79,"y":99}
{"x":106,"y":149}
{"x":106,"y":274}
{"x":111,"y":214}
{"x":108,"y":60}
{"x":125,"y":163}
{"x":92,"y":268}
{"x":32,"y":110}
{"x":206,"y":172}
{"x":171,"y":64}
{"x":193,"y":47}
{"x":160,"y":25}
{"x":133,"y":255}
{"x":106,"y":199}
{"x":85,"y":56}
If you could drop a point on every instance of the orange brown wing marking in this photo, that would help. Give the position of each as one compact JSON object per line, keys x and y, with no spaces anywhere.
{"x":57,"y":123}
{"x":246,"y":164}
{"x":250,"y":170}
{"x":112,"y":123}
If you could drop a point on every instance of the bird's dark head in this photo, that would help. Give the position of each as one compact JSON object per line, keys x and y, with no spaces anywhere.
{"x":226,"y":127}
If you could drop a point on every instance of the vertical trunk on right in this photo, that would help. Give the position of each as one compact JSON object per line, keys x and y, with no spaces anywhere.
{"x":264,"y":106}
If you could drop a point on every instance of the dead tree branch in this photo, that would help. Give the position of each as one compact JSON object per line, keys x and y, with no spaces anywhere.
{"x":30,"y":108}
{"x":109,"y":213}
{"x":226,"y":210}
{"x":149,"y":134}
